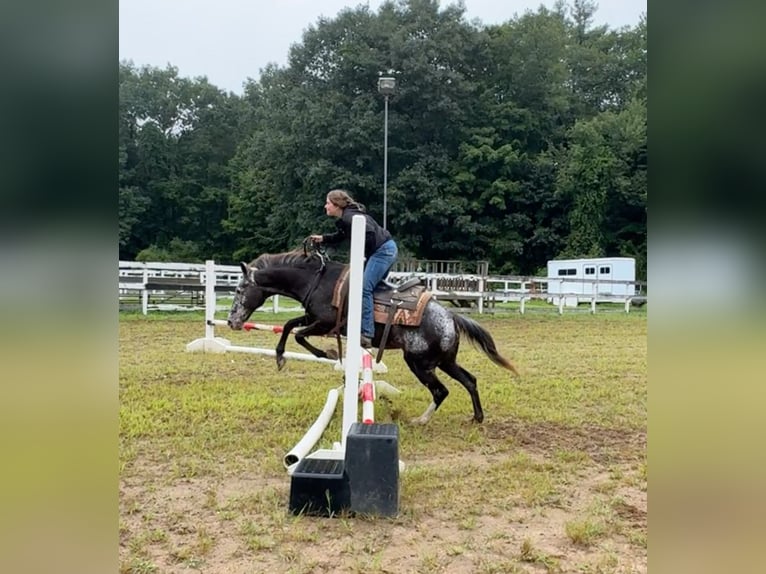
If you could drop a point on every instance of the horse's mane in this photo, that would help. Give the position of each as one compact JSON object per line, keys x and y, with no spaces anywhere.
{"x":287,"y":259}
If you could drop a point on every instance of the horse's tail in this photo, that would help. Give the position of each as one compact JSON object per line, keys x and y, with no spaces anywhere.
{"x":480,"y":337}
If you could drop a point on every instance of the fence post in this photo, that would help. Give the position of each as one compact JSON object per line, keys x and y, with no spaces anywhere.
{"x":145,"y":293}
{"x":210,"y":281}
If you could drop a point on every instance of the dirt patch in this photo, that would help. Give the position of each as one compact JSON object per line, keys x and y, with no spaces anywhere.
{"x":603,"y":445}
{"x":235,"y":524}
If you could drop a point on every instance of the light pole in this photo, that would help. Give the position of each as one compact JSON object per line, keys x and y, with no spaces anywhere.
{"x":386,"y":86}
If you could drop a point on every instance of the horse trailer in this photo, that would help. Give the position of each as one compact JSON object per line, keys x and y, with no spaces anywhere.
{"x":582,"y":280}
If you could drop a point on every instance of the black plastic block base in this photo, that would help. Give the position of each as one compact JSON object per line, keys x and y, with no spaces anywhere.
{"x":372,"y":466}
{"x":319,"y":487}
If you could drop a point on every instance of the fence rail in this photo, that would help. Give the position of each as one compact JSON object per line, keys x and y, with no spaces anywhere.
{"x":170,"y":286}
{"x":177,"y":286}
{"x":441,"y":267}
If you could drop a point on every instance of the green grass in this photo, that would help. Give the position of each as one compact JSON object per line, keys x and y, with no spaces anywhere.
{"x":553,"y":480}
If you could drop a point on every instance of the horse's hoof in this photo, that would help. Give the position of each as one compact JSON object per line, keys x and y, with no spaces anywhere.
{"x":280,"y":363}
{"x":332,"y":354}
{"x":419,"y":421}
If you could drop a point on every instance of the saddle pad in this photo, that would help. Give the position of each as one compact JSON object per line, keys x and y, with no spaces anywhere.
{"x":412,"y":302}
{"x":340,"y":291}
{"x":411,"y":317}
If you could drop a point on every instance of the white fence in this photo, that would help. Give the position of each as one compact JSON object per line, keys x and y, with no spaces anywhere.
{"x":176,"y":286}
{"x":484,"y":292}
{"x":565,"y":292}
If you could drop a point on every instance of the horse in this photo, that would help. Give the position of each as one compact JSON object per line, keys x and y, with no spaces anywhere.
{"x":310,"y":278}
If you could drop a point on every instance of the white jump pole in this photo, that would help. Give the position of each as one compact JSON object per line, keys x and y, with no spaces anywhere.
{"x":314,"y":433}
{"x":286,"y":354}
{"x":354,"y":328}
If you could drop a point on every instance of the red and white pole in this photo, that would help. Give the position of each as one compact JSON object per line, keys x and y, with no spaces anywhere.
{"x":367,"y":390}
{"x":261,"y":327}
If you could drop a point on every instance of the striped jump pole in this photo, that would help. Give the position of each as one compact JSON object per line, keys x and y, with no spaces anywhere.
{"x":251,"y":326}
{"x":261,"y":327}
{"x":367,"y":390}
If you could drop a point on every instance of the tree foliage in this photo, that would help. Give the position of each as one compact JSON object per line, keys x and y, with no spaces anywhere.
{"x":515,"y":143}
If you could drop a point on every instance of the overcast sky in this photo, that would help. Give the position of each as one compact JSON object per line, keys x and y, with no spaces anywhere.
{"x":231,"y":40}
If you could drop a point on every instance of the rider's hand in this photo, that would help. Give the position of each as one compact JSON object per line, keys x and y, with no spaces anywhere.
{"x":316,"y":238}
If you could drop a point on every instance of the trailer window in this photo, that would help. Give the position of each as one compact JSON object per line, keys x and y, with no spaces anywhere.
{"x":605,"y":270}
{"x":568,"y":271}
{"x":590,"y":270}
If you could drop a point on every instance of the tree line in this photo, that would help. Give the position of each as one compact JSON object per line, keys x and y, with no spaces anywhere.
{"x":513,"y":143}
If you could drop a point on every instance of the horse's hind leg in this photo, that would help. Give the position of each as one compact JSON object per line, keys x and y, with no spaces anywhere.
{"x":469,"y":382}
{"x":425,"y":374}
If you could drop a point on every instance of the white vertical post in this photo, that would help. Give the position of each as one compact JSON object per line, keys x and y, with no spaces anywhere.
{"x":145,"y":293}
{"x":354,"y":327}
{"x":209,"y":299}
{"x":523,"y":289}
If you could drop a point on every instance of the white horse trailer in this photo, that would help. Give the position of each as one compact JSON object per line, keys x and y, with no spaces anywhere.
{"x":585,"y":280}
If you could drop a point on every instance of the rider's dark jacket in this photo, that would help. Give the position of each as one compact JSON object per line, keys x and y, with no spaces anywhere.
{"x":375,"y":235}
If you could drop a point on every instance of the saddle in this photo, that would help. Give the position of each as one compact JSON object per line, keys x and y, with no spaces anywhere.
{"x":393,"y":304}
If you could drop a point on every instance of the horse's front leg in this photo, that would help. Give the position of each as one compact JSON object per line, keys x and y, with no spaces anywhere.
{"x":316,"y":329}
{"x":288,"y":327}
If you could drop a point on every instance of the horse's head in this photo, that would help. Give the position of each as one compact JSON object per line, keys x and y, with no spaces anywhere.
{"x":247,"y":298}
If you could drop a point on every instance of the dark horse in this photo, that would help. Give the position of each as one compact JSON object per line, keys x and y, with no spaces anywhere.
{"x":310,"y":279}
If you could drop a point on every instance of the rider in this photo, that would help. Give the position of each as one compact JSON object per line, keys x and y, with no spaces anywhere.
{"x":379,"y":249}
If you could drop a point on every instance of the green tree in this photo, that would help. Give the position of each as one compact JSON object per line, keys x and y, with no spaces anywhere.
{"x":176,"y":139}
{"x":513,"y":143}
{"x":603,"y":180}
{"x":607,"y":67}
{"x":320,"y":125}
{"x":506,"y":165}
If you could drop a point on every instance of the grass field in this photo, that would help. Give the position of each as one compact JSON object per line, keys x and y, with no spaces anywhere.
{"x":554,"y":480}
